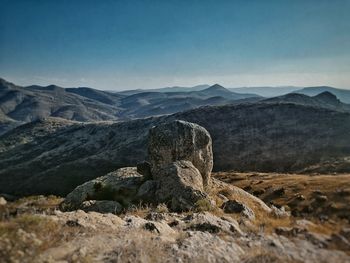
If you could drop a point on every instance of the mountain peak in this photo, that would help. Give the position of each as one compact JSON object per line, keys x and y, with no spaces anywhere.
{"x":217,"y":87}
{"x":327,"y":97}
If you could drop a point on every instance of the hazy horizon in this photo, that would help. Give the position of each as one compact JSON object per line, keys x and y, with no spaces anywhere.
{"x":118,"y":45}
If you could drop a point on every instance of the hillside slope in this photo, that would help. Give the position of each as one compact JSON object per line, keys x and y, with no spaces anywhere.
{"x":247,"y":137}
{"x":19,"y":105}
{"x":342,"y":94}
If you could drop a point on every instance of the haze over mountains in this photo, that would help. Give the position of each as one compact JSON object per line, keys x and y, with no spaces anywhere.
{"x":19,"y":105}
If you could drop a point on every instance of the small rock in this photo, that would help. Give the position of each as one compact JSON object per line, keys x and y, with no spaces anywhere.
{"x":153,"y":216}
{"x":3,"y":201}
{"x":104,"y":206}
{"x":208,"y":222}
{"x":72,"y":223}
{"x":151,"y":227}
{"x":161,"y":228}
{"x":232,"y":206}
{"x":300,"y":197}
{"x":279,"y":212}
{"x":321,"y":198}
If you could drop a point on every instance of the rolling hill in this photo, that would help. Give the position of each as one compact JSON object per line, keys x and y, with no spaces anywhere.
{"x":262,"y":136}
{"x":19,"y":105}
{"x":342,"y":94}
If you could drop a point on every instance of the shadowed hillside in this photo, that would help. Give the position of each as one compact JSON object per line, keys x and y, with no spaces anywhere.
{"x":260,"y":137}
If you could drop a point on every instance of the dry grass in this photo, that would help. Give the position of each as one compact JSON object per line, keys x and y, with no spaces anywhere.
{"x":25,"y":233}
{"x":140,"y":246}
{"x":24,"y":237}
{"x":301,"y":195}
{"x":261,"y":256}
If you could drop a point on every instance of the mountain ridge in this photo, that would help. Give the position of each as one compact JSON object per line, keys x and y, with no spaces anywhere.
{"x":247,"y":137}
{"x":19,"y":105}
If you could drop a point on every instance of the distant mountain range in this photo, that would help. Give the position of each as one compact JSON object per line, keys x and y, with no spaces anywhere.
{"x":342,"y":94}
{"x":166,"y":89}
{"x":19,"y":105}
{"x":266,"y":91}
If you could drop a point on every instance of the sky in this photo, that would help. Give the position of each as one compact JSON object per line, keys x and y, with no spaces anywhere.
{"x":131,"y":44}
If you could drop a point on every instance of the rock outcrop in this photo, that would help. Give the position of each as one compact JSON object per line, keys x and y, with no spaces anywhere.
{"x":180,"y":140}
{"x":180,"y":184}
{"x":181,"y":163}
{"x":120,"y":186}
{"x":232,"y":206}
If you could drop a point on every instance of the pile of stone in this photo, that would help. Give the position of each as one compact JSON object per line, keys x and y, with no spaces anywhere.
{"x":177,"y":174}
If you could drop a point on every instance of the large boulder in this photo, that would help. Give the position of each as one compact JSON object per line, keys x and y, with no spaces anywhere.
{"x":180,"y":140}
{"x":121,"y":186}
{"x":181,"y":185}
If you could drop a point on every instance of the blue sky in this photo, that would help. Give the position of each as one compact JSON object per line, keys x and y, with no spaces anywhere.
{"x":149,"y":44}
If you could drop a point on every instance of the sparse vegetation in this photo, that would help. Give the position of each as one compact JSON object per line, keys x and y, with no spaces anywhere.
{"x":203,"y":205}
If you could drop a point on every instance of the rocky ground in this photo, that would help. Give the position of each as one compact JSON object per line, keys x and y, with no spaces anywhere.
{"x":33,"y":229}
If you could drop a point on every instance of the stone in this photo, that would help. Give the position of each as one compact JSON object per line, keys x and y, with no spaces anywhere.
{"x":154,"y":216}
{"x":121,"y":185}
{"x":241,"y":196}
{"x":160,"y":227}
{"x":3,"y":201}
{"x":321,"y":198}
{"x":91,"y":220}
{"x":232,"y":206}
{"x":279,"y":212}
{"x":144,"y":168}
{"x":200,"y":246}
{"x":103,"y":206}
{"x":300,"y":197}
{"x":207,"y":222}
{"x":147,"y":191}
{"x":181,"y":185}
{"x":180,"y":140}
